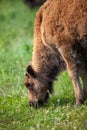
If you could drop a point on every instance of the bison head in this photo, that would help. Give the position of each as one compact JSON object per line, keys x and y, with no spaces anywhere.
{"x":38,"y":88}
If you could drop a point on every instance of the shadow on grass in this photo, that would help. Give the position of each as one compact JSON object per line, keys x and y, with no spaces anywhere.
{"x":62,"y":101}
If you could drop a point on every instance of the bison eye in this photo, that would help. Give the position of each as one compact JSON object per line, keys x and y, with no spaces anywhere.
{"x":30,"y":87}
{"x":27,"y":75}
{"x":27,"y":84}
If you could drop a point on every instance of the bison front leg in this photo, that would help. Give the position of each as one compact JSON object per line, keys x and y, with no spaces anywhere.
{"x":71,"y":60}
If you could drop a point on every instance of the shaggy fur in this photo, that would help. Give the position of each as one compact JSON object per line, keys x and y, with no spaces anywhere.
{"x":60,"y":41}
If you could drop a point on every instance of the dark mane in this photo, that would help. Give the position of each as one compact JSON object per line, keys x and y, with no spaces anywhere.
{"x":34,"y":3}
{"x":49,"y":74}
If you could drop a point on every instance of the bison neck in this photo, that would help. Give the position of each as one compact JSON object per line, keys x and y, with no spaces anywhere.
{"x":47,"y":63}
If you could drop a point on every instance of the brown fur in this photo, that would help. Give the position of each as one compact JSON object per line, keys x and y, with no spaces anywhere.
{"x":60,"y":41}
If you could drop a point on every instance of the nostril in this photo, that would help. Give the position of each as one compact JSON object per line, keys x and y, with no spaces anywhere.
{"x":32,"y":104}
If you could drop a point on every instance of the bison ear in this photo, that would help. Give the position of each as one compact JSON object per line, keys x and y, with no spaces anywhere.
{"x":31,"y":71}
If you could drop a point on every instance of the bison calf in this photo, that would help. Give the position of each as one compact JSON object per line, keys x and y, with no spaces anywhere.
{"x":60,"y":42}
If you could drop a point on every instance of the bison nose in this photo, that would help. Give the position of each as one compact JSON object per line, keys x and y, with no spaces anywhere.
{"x":33,"y":104}
{"x":36,"y":104}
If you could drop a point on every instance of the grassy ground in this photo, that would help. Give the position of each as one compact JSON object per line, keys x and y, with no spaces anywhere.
{"x":16,"y":37}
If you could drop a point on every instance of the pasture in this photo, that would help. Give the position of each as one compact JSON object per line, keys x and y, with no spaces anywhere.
{"x":16,"y":38}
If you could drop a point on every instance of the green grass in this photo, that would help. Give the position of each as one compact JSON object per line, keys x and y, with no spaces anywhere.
{"x":16,"y":38}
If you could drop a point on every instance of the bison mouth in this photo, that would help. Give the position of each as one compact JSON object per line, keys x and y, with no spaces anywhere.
{"x":40,"y":103}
